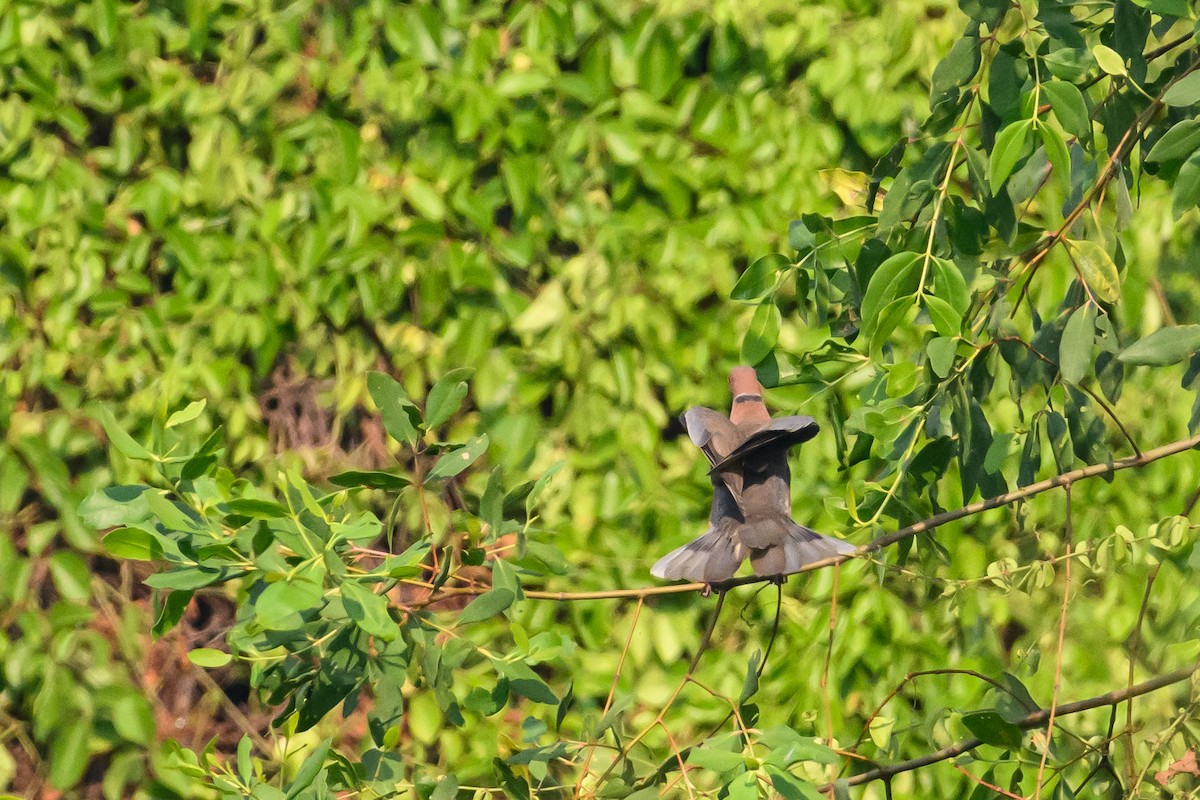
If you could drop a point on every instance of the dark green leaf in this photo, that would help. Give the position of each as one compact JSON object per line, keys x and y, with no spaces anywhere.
{"x":485,"y":606}
{"x":309,"y":770}
{"x":991,"y":728}
{"x":1164,"y":346}
{"x":525,"y":682}
{"x":369,"y":479}
{"x":1075,"y":347}
{"x":445,"y":397}
{"x":1187,"y":186}
{"x":369,"y":610}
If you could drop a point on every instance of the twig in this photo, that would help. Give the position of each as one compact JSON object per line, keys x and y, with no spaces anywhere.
{"x":828,"y":657}
{"x":987,"y":785}
{"x":1135,"y":640}
{"x":687,"y":676}
{"x":612,"y":691}
{"x":1032,"y":720}
{"x":1062,"y":631}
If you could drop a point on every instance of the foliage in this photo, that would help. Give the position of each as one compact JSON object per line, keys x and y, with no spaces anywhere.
{"x":259,"y":206}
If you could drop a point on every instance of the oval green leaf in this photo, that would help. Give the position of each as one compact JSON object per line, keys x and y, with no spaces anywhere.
{"x":209,"y":658}
{"x":760,"y":277}
{"x":1075,"y":347}
{"x":1096,"y":267}
{"x":1164,"y":346}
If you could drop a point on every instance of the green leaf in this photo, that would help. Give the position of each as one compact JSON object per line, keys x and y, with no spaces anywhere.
{"x":488,"y":604}
{"x":1109,"y":60}
{"x":257,"y":509}
{"x":991,"y":728}
{"x":455,"y":461}
{"x":445,"y":397}
{"x":69,"y":753}
{"x":371,"y":479}
{"x":369,"y":610}
{"x":1010,"y":144}
{"x":1096,"y":267}
{"x":1164,"y":346}
{"x":897,"y":275}
{"x":525,"y":682}
{"x":309,"y":769}
{"x":1185,"y":92}
{"x":399,"y":413}
{"x":789,"y":747}
{"x":946,"y":319}
{"x":750,"y":685}
{"x":880,"y":730}
{"x":1186,"y":193}
{"x":71,"y":576}
{"x":792,"y":788}
{"x":279,"y":605}
{"x":121,"y":440}
{"x":941,"y":352}
{"x":1058,"y":155}
{"x":1075,"y":347}
{"x":1180,"y":141}
{"x":424,"y":199}
{"x":134,"y":544}
{"x":208,"y":657}
{"x":186,"y":414}
{"x":949,"y":284}
{"x":716,"y":760}
{"x":760,"y":339}
{"x":133,"y":718}
{"x":760,"y":278}
{"x":1069,"y":106}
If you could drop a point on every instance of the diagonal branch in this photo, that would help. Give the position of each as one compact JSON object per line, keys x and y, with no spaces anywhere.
{"x":1008,"y":498}
{"x":1033,"y":720}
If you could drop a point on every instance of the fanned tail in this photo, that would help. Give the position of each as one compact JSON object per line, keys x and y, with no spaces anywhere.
{"x":711,"y":558}
{"x":788,"y":547}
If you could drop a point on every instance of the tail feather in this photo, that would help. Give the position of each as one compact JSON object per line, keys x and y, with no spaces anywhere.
{"x":798,"y":547}
{"x":711,"y":558}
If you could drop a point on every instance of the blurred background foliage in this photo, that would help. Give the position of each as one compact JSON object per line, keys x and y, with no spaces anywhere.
{"x":257,"y":204}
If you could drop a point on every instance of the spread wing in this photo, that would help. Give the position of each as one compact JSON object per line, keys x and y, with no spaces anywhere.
{"x":716,"y":437}
{"x":780,"y":434}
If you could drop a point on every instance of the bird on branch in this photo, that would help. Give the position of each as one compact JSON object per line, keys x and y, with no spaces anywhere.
{"x":752,"y":504}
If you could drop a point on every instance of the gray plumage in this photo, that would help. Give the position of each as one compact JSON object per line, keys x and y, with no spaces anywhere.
{"x":752,"y":503}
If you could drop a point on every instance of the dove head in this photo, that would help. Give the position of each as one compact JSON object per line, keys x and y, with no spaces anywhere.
{"x":747,"y":397}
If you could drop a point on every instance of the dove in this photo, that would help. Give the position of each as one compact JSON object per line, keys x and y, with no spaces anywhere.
{"x":752,"y":504}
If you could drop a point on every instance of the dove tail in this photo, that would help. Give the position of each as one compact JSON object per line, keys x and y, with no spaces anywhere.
{"x":711,"y":558}
{"x":797,"y":547}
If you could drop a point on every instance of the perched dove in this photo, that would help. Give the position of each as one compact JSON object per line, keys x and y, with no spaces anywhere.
{"x":752,"y":502}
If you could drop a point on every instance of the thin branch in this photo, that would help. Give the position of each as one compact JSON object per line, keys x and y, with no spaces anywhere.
{"x":687,"y":677}
{"x":1008,"y":498}
{"x":1058,"y":653}
{"x":1033,"y":720}
{"x":1133,"y":648}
